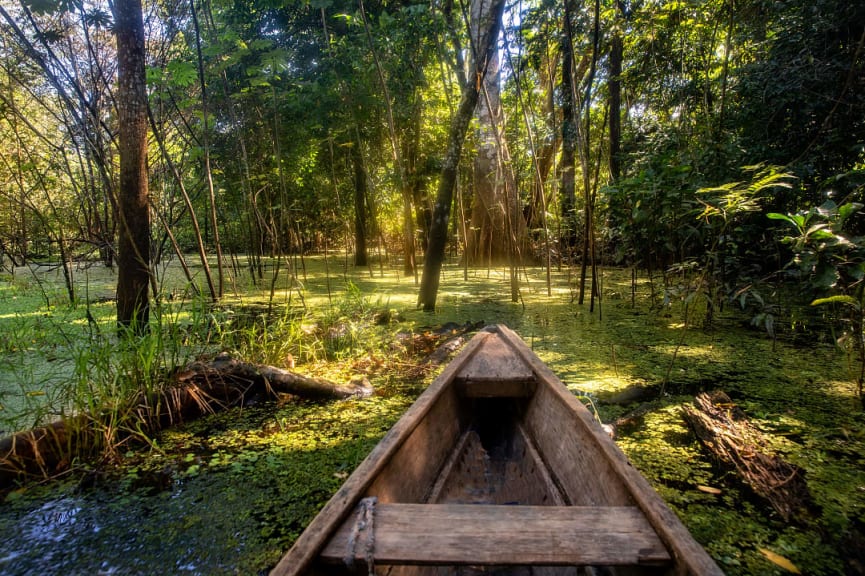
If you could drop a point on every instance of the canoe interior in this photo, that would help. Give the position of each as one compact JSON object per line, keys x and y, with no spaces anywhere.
{"x":496,"y":469}
{"x":493,"y":437}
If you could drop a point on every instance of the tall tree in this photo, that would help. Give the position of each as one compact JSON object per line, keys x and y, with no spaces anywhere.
{"x":360,"y":226}
{"x":484,"y":50}
{"x":498,"y":228}
{"x":567,"y":191}
{"x":133,"y":258}
{"x":615,"y":95}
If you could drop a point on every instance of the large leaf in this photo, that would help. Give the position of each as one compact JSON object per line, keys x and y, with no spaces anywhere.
{"x":847,"y":210}
{"x":796,"y":220}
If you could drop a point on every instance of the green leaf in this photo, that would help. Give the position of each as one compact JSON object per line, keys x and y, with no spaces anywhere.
{"x":837,"y":299}
{"x":848,"y":210}
{"x":182,"y":74}
{"x":784,"y":217}
{"x":820,"y":232}
{"x":153,"y":75}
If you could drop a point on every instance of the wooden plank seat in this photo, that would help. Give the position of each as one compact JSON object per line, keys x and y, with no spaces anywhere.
{"x":462,"y":534}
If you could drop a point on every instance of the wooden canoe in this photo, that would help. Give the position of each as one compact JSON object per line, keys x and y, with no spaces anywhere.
{"x":496,"y":468}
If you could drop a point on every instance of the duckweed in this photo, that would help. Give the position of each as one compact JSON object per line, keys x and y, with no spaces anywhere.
{"x":229,"y":493}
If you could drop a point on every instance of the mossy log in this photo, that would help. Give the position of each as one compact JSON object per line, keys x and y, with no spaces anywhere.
{"x":198,"y":389}
{"x":36,"y":452}
{"x":259,"y":378}
{"x":724,"y":429}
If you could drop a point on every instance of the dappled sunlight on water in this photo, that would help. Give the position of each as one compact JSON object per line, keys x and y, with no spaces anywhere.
{"x":228,"y":494}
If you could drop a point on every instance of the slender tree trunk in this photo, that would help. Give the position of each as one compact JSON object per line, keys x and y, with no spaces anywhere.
{"x":615,"y":83}
{"x":359,"y":205}
{"x":208,"y":173}
{"x":133,"y":278}
{"x":460,"y":123}
{"x":567,"y":193}
{"x":420,"y":199}
{"x":585,"y":161}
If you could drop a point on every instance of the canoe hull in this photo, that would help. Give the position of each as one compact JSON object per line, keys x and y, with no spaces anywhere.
{"x":497,"y":468}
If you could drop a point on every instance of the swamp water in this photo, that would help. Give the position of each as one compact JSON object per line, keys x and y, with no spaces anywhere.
{"x":228,"y":494}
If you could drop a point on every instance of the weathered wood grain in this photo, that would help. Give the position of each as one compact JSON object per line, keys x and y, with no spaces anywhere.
{"x":688,"y":556}
{"x":453,"y":534}
{"x":475,"y":432}
{"x":495,"y":372}
{"x":308,"y":545}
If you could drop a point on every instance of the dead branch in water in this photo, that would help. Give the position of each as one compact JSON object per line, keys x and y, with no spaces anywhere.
{"x":725,"y":431}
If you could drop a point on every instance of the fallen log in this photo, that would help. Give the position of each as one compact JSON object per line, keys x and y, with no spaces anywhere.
{"x":444,"y":351}
{"x":412,"y":344}
{"x":198,"y":389}
{"x":724,"y":429}
{"x":35,"y":452}
{"x":270,"y":379}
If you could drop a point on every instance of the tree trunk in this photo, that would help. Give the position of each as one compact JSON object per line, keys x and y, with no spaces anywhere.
{"x":536,"y":218}
{"x":133,"y":260}
{"x":725,"y":430}
{"x":359,"y":205}
{"x":616,"y":55}
{"x":201,"y":388}
{"x":499,"y":233}
{"x":415,"y":201}
{"x":487,"y":242}
{"x":584,"y":143}
{"x":420,"y":197}
{"x":460,"y":123}
{"x":567,"y":193}
{"x":270,"y":379}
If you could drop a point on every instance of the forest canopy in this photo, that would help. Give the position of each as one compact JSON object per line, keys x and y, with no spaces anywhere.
{"x":653,"y":134}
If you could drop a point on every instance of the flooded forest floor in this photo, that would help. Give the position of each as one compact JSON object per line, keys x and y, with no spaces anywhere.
{"x":229,"y":493}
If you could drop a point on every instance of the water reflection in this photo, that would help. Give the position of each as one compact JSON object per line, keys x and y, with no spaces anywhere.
{"x":53,"y":521}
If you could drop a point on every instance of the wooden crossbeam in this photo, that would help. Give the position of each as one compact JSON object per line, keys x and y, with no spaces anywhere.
{"x":495,"y":371}
{"x":460,"y":534}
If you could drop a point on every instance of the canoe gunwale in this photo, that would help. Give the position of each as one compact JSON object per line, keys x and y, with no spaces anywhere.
{"x":341,"y":505}
{"x":687,"y":556}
